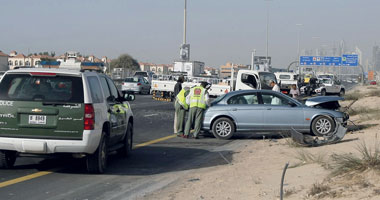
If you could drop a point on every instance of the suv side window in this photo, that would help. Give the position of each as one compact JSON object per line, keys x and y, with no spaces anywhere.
{"x":105,"y":87}
{"x":114,"y":91}
{"x":96,"y":92}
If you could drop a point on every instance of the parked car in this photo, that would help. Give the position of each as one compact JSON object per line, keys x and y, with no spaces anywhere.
{"x":136,"y":84}
{"x":372,"y":83}
{"x":56,"y":111}
{"x":265,"y":110}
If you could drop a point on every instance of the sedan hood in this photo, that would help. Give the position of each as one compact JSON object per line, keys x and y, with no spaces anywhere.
{"x":324,"y":102}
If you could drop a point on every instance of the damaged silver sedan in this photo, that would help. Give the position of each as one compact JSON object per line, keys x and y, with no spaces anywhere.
{"x":269,"y":111}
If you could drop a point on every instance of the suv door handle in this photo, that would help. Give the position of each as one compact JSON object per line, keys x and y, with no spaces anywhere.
{"x":269,"y":108}
{"x":234,"y":109}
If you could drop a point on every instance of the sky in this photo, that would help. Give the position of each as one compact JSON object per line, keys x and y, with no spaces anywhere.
{"x":219,"y":31}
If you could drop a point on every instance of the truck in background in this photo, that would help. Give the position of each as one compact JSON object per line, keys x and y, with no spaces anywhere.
{"x":286,"y":80}
{"x":163,"y":86}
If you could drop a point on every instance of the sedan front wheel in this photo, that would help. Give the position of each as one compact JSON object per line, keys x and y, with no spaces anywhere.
{"x":223,"y":128}
{"x":323,"y":126}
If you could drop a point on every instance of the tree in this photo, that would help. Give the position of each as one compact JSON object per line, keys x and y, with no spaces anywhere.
{"x":126,"y":62}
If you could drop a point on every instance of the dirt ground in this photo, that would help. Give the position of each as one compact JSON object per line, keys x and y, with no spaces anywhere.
{"x":256,"y":168}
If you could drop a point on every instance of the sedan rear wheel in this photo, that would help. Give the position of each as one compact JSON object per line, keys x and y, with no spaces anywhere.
{"x":223,"y":128}
{"x":323,"y":126}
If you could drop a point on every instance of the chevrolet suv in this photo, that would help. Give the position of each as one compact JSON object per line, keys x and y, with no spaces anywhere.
{"x":55,"y":111}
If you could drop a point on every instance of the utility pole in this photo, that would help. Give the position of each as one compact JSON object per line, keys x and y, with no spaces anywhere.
{"x":252,"y":59}
{"x":184,"y":23}
{"x":298,"y":48}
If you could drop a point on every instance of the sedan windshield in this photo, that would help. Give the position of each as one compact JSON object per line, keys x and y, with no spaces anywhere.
{"x":132,"y":80}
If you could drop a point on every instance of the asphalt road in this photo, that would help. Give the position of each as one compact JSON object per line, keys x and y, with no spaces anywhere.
{"x":148,"y":168}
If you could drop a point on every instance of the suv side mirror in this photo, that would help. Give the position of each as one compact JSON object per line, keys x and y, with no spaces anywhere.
{"x":128,"y":96}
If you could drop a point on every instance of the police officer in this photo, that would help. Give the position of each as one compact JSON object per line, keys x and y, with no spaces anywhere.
{"x":181,"y":108}
{"x":198,"y":101}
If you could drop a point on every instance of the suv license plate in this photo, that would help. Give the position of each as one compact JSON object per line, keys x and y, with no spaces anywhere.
{"x":37,"y":119}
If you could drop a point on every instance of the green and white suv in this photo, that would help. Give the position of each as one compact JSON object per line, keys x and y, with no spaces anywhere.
{"x":48,"y":111}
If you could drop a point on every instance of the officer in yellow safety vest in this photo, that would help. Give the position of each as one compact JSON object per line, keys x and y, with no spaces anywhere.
{"x":181,"y":108}
{"x":198,"y":101}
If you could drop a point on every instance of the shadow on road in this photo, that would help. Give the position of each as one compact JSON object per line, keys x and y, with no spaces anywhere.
{"x":144,"y":161}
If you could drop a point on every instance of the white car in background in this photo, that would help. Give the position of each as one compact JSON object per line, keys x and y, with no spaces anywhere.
{"x":330,"y":86}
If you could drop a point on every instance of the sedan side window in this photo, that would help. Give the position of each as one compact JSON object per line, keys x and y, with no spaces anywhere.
{"x":244,"y":99}
{"x":272,"y":99}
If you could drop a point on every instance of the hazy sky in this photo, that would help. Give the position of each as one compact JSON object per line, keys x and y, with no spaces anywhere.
{"x":218,"y":30}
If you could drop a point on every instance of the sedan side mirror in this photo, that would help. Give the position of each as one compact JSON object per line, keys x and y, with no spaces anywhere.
{"x":128,"y":96}
{"x":292,"y":104}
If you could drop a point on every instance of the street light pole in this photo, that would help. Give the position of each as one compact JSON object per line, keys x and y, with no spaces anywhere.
{"x":252,"y":59}
{"x":184,"y":23}
{"x":298,"y":47}
{"x":267,"y":42}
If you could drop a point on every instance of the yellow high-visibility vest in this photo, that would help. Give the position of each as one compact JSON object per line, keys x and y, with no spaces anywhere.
{"x":197,"y":98}
{"x":181,"y":97}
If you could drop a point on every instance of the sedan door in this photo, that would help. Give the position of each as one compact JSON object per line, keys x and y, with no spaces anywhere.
{"x":247,"y":111}
{"x":279,"y":114}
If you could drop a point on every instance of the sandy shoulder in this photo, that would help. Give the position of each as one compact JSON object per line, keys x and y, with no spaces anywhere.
{"x":256,"y":168}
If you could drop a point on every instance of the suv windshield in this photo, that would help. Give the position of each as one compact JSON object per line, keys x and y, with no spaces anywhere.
{"x":284,"y":77}
{"x":24,"y":87}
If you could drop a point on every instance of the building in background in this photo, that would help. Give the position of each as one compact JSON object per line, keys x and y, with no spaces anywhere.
{"x":3,"y":62}
{"x":376,"y":58}
{"x":225,"y":70}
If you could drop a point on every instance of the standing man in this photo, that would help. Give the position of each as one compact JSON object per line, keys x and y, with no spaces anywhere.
{"x":198,"y":101}
{"x":177,"y":89}
{"x":181,"y":108}
{"x":274,"y":86}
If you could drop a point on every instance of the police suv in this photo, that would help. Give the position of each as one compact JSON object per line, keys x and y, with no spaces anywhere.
{"x":51,"y":111}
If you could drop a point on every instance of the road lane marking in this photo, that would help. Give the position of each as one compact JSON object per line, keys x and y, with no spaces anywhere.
{"x":150,"y":115}
{"x":24,"y":178}
{"x":153,"y":141}
{"x":43,"y":173}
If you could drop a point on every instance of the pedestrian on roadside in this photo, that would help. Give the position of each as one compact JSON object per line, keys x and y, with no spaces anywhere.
{"x":294,"y":91}
{"x":181,"y":107}
{"x":177,"y":89}
{"x":198,"y":100}
{"x":274,"y":86}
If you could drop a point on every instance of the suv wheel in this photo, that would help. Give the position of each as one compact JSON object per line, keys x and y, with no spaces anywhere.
{"x":341,"y":93}
{"x":323,"y":126}
{"x":223,"y":128}
{"x":127,"y":142}
{"x":323,"y":92}
{"x":97,"y":162}
{"x":7,"y":159}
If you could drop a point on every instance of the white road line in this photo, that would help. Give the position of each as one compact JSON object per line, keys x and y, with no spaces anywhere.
{"x":150,"y":115}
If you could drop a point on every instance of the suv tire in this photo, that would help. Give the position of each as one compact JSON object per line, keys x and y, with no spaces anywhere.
{"x":341,"y":93}
{"x":7,"y":159}
{"x":223,"y":128}
{"x":97,"y":162}
{"x":323,"y":92}
{"x":127,"y":142}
